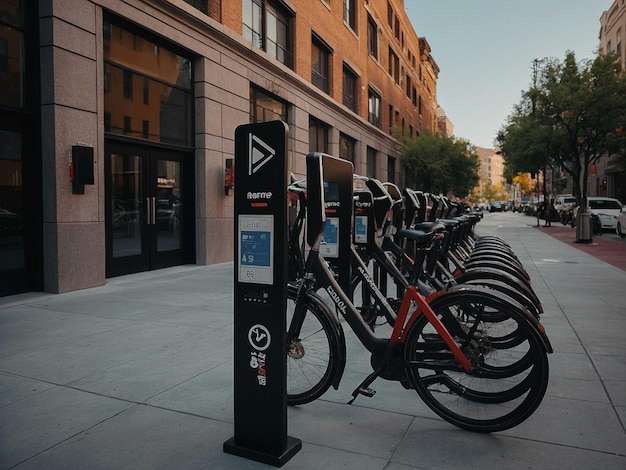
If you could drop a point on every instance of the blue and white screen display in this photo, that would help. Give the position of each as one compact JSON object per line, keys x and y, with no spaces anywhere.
{"x":256,"y":249}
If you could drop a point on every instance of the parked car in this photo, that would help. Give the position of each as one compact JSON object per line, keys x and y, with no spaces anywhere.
{"x":606,"y":208}
{"x":496,"y":206}
{"x":563,"y":202}
{"x":621,"y":223}
{"x":524,"y":205}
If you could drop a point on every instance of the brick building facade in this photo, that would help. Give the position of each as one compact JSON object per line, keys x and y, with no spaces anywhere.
{"x":606,"y":179}
{"x":154,"y":90}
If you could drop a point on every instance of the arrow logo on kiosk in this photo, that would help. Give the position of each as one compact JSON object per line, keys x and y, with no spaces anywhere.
{"x":260,"y":154}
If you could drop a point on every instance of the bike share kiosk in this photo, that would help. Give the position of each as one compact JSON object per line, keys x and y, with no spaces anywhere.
{"x":335,"y":245}
{"x":260,"y":348}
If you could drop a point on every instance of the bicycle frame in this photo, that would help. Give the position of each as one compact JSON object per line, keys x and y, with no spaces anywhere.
{"x":323,"y":278}
{"x":318,"y":275}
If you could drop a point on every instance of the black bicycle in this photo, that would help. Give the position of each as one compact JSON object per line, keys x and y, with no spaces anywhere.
{"x":477,"y":359}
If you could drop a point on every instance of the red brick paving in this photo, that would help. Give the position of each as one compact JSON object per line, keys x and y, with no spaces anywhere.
{"x":601,"y":246}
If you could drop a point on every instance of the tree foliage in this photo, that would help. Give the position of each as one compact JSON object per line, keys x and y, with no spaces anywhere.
{"x":439,"y":164}
{"x":571,"y":116}
{"x":523,"y":181}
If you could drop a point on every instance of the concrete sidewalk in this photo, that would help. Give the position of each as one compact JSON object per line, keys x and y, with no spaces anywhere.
{"x":138,"y":374}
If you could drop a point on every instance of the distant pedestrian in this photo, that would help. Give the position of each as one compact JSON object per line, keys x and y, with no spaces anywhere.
{"x":540,"y":211}
{"x":548,"y":214}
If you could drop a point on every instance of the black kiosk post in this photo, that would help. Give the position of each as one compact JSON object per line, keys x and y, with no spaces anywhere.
{"x":260,"y":355}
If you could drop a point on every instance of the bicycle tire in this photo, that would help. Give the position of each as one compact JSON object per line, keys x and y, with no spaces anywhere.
{"x":313,"y":355}
{"x":507,"y":383}
{"x":495,"y":274}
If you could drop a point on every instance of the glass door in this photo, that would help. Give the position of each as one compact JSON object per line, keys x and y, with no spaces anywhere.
{"x":146,"y":214}
{"x":13,"y":276}
{"x":166,"y":186}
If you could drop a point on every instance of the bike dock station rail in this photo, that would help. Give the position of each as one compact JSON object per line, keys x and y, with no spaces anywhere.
{"x":260,"y":291}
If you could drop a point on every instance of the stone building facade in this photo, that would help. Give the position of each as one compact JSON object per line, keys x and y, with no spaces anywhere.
{"x":148,"y":93}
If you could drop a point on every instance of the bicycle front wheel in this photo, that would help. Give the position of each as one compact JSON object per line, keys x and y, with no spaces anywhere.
{"x":509,"y":373}
{"x":312,"y":350}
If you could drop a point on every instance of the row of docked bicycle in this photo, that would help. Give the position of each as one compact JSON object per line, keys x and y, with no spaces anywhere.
{"x":461,"y":320}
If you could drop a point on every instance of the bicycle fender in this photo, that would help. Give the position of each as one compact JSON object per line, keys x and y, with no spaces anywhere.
{"x":338,"y":330}
{"x":524,"y":314}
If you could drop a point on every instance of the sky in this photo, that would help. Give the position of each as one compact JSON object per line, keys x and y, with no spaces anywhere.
{"x":485,"y":50}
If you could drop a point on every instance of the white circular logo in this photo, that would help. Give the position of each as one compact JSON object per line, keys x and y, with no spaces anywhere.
{"x":259,"y":337}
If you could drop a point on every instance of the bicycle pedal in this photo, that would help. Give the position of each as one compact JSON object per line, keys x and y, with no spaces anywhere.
{"x":368,"y":392}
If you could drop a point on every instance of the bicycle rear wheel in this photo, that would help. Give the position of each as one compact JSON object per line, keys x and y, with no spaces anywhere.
{"x":509,"y":376}
{"x":312,"y":351}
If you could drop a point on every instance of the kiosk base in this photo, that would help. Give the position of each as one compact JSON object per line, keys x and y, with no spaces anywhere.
{"x":293,"y":447}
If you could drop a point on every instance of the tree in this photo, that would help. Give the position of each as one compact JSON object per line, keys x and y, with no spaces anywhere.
{"x":523,"y":180}
{"x":439,"y":164}
{"x":568,"y":119}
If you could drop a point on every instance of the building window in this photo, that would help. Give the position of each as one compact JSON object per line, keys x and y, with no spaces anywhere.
{"x":409,"y":85}
{"x":107,"y":122}
{"x":201,"y":5}
{"x":252,"y":20}
{"x":618,"y":44}
{"x":107,"y":78}
{"x":13,"y":60}
{"x":389,"y":15}
{"x":264,"y":107}
{"x":320,"y":64}
{"x":318,"y":135}
{"x":347,"y":146}
{"x":128,"y":85}
{"x":372,"y":37}
{"x":349,"y":88}
{"x":391,"y":169}
{"x":349,"y":13}
{"x":394,"y":65}
{"x":373,"y":107}
{"x":276,"y":21}
{"x":146,"y":129}
{"x":144,"y":81}
{"x":371,"y":162}
{"x":279,"y":42}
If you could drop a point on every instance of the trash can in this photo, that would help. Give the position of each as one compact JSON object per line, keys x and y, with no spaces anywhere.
{"x":583,"y":227}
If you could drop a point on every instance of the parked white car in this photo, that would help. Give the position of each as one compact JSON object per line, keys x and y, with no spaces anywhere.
{"x":606,"y":208}
{"x":564,"y":202}
{"x":621,"y":223}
